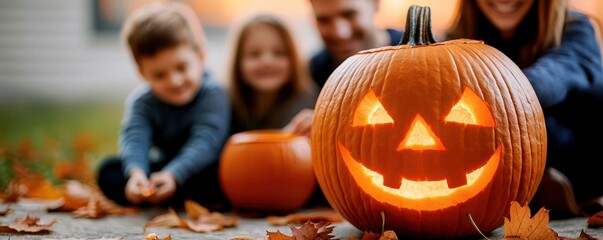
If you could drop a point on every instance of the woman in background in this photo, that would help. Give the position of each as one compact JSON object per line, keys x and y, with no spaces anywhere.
{"x":557,"y":49}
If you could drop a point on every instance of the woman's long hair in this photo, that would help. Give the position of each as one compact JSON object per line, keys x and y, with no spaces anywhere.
{"x":552,"y":17}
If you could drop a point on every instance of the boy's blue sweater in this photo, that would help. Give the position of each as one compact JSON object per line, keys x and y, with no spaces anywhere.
{"x":188,"y":138}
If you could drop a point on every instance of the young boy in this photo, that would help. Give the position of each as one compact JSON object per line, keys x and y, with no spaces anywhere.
{"x":175,"y":126}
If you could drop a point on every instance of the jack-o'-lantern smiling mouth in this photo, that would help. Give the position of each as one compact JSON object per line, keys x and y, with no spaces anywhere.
{"x":422,"y":192}
{"x":422,"y":195}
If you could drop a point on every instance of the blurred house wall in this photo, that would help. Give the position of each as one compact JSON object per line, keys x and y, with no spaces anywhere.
{"x":50,"y":52}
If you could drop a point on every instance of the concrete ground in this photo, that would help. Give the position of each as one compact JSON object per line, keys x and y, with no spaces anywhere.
{"x":131,"y":227}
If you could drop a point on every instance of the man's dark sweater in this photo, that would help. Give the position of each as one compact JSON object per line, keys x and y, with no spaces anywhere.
{"x":322,"y":63}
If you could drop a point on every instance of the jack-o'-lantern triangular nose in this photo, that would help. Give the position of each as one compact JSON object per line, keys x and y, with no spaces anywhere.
{"x":420,"y":137}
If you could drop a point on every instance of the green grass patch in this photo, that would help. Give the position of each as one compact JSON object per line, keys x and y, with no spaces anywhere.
{"x":57,"y":133}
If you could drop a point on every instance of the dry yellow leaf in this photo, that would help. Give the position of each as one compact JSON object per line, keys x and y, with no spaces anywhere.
{"x":278,"y":236}
{"x":520,"y":224}
{"x":320,"y":216}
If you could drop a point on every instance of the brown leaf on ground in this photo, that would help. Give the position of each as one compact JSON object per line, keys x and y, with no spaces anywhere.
{"x":27,"y":225}
{"x":32,"y":185}
{"x":520,"y":225}
{"x":299,"y":218}
{"x":312,"y":231}
{"x":583,"y":236}
{"x":78,"y":169}
{"x":278,"y":235}
{"x":9,"y":197}
{"x":76,"y":195}
{"x":170,"y":219}
{"x":194,"y":210}
{"x":92,"y":210}
{"x":112,"y":208}
{"x":211,"y":222}
{"x":153,"y":236}
{"x":6,"y":211}
{"x":596,"y":221}
{"x":199,"y":219}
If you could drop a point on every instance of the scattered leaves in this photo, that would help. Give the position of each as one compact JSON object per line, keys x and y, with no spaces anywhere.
{"x":92,"y":210}
{"x":313,"y":231}
{"x":27,"y":225}
{"x":153,"y":236}
{"x":520,"y":225}
{"x":308,"y":231}
{"x":596,"y":221}
{"x":199,"y":219}
{"x":278,"y":235}
{"x":299,"y":218}
{"x":170,"y":219}
{"x":9,"y":197}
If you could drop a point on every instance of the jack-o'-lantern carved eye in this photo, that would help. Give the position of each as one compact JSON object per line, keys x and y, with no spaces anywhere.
{"x":370,"y":111}
{"x":470,"y":110}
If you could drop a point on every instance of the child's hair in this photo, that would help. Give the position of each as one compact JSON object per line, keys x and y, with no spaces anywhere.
{"x":240,"y":93}
{"x":552,"y":16}
{"x":158,"y":26}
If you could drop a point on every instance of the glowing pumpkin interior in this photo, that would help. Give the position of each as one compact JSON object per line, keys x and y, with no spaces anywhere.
{"x":470,"y":109}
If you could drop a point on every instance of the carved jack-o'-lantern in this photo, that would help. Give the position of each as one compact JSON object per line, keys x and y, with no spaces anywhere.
{"x":427,"y":132}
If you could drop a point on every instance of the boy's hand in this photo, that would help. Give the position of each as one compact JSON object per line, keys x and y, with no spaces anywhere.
{"x":165,"y":184}
{"x":301,"y":124}
{"x":138,"y":180}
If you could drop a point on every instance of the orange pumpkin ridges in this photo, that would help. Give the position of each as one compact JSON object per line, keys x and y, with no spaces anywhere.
{"x":428,"y":132}
{"x":267,"y":171}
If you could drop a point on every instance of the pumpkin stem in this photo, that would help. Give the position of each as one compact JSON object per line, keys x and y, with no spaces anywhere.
{"x":418,"y":27}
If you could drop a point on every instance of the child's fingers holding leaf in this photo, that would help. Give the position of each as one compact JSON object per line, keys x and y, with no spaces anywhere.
{"x":164,"y":183}
{"x":137,"y":181}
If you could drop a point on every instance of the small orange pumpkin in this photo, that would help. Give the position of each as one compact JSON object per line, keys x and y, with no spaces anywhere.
{"x":267,"y":171}
{"x":427,"y":132}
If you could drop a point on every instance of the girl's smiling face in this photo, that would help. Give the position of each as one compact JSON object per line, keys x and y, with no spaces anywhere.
{"x":265,"y":62}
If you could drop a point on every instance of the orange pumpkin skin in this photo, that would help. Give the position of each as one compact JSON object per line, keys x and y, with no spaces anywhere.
{"x":267,"y":171}
{"x":427,"y":81}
